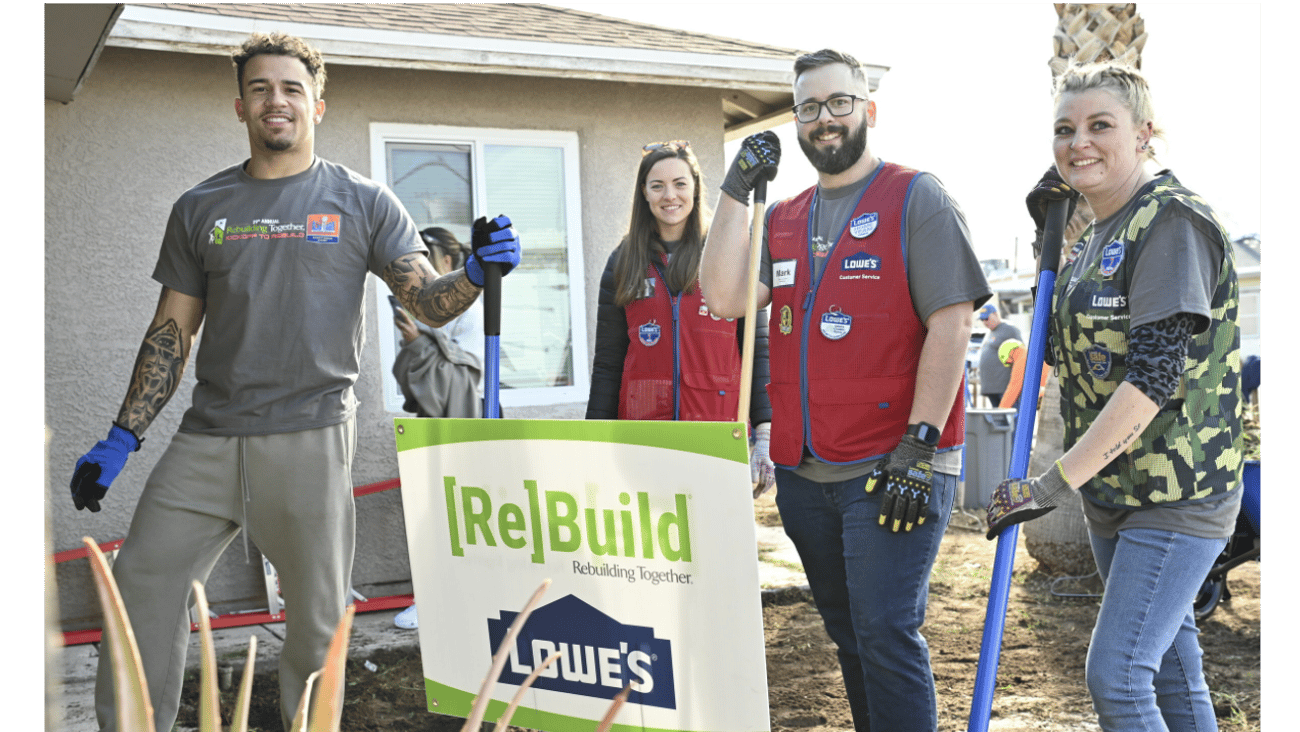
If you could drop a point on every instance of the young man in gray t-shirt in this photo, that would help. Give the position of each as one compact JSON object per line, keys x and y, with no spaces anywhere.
{"x":271,"y":257}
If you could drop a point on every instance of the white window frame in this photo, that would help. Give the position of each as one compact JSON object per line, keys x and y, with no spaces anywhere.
{"x":477,"y":138}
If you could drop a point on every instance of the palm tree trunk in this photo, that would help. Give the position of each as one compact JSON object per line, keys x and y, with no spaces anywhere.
{"x":1058,"y":540}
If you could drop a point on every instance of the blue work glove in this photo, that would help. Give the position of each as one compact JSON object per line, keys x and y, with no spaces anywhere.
{"x":1021,"y":500}
{"x":96,"y":469}
{"x":906,"y":475}
{"x":762,"y":471}
{"x":492,"y":241}
{"x":758,"y":157}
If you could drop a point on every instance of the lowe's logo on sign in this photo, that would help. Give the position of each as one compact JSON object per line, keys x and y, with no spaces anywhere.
{"x":862,"y":226}
{"x":598,"y":655}
{"x":861,"y":261}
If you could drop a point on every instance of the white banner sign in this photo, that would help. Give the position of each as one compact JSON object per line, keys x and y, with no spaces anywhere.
{"x":646,"y":531}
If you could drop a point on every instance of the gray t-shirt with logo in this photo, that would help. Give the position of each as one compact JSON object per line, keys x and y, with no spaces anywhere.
{"x":281,"y":267}
{"x":942,"y":270}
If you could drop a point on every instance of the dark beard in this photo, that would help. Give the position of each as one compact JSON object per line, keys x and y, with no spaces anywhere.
{"x":278,"y":145}
{"x":833,"y":161}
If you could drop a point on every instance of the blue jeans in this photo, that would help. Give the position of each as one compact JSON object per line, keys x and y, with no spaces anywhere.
{"x":870,"y":586}
{"x":1144,"y":662}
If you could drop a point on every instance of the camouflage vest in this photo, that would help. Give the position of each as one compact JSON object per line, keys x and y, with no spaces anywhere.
{"x":1192,"y":450}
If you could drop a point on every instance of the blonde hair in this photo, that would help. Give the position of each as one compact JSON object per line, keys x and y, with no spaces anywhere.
{"x":1125,"y":82}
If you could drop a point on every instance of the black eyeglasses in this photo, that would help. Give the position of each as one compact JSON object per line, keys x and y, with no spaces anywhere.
{"x":839,"y":106}
{"x":656,"y":146}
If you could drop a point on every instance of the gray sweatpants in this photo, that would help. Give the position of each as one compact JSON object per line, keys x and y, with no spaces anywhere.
{"x":292,"y":492}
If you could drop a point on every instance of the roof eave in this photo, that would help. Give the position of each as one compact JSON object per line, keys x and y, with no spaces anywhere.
{"x":176,"y":31}
{"x":756,"y":90}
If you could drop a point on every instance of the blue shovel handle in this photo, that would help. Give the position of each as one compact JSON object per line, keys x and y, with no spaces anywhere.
{"x":1000,"y":585}
{"x":491,"y":340}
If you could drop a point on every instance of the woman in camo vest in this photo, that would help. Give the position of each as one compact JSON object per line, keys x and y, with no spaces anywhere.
{"x":1146,"y":345}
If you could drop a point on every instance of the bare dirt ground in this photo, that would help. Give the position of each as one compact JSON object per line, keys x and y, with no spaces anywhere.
{"x":1040,"y":683}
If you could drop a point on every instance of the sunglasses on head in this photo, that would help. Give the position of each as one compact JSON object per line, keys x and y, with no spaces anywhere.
{"x":657,"y":146}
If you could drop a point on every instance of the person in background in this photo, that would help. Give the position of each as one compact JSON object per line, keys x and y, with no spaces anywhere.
{"x":1146,"y":345}
{"x":267,"y":445}
{"x":661,"y":352}
{"x":440,"y":370}
{"x":1015,"y":355}
{"x":994,"y":373}
{"x":873,"y":284}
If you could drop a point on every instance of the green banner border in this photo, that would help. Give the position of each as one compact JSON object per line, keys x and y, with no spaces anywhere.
{"x":445,"y":699}
{"x":725,"y":440}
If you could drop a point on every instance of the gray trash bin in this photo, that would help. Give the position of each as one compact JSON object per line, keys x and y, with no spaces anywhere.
{"x":989,"y":437}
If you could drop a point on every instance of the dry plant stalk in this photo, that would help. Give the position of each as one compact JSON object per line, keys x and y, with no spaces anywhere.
{"x":134,"y":710}
{"x":209,"y":697}
{"x":299,"y":723}
{"x":475,"y":718}
{"x":239,"y":718}
{"x":499,"y":661}
{"x":519,"y":695}
{"x":608,"y":720}
{"x":328,"y":712}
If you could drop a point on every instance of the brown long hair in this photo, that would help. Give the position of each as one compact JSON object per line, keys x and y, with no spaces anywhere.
{"x":641,"y":245}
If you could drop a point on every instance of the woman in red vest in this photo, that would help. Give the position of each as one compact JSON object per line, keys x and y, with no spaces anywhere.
{"x":660,"y":353}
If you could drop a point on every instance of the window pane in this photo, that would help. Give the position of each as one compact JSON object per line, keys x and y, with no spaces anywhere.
{"x":527,"y":184}
{"x":433,"y":182}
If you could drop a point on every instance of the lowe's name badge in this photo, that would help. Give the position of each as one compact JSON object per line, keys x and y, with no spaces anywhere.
{"x":862,"y":226}
{"x":835,"y":324}
{"x":1111,"y":257}
{"x":649,"y":333}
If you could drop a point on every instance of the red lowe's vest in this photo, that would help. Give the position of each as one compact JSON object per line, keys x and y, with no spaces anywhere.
{"x":674,"y":341}
{"x":844,"y":351}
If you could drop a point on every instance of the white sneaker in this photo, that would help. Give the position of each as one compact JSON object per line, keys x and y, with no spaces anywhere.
{"x":408,"y":619}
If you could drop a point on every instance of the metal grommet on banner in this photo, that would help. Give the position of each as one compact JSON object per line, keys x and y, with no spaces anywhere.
{"x":738,"y":433}
{"x":401,"y":429}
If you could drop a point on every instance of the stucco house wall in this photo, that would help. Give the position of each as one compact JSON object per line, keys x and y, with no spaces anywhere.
{"x":150,"y":124}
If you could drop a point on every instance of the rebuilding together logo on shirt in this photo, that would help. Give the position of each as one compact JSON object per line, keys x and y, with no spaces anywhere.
{"x":319,"y":229}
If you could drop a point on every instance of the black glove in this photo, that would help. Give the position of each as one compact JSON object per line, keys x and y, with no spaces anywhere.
{"x":492,"y":241}
{"x":1051,"y":188}
{"x":1021,"y":500}
{"x":757,"y":159}
{"x":95,"y":471}
{"x":906,"y":475}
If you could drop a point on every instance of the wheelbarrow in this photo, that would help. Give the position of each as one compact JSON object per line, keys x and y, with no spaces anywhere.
{"x":1242,"y":547}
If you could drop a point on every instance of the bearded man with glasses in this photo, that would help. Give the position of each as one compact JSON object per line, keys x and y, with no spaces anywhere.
{"x":873,"y":285}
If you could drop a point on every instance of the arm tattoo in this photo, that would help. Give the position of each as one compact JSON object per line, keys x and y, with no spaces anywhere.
{"x":433,"y":299}
{"x":1123,"y":444}
{"x":156,"y":375}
